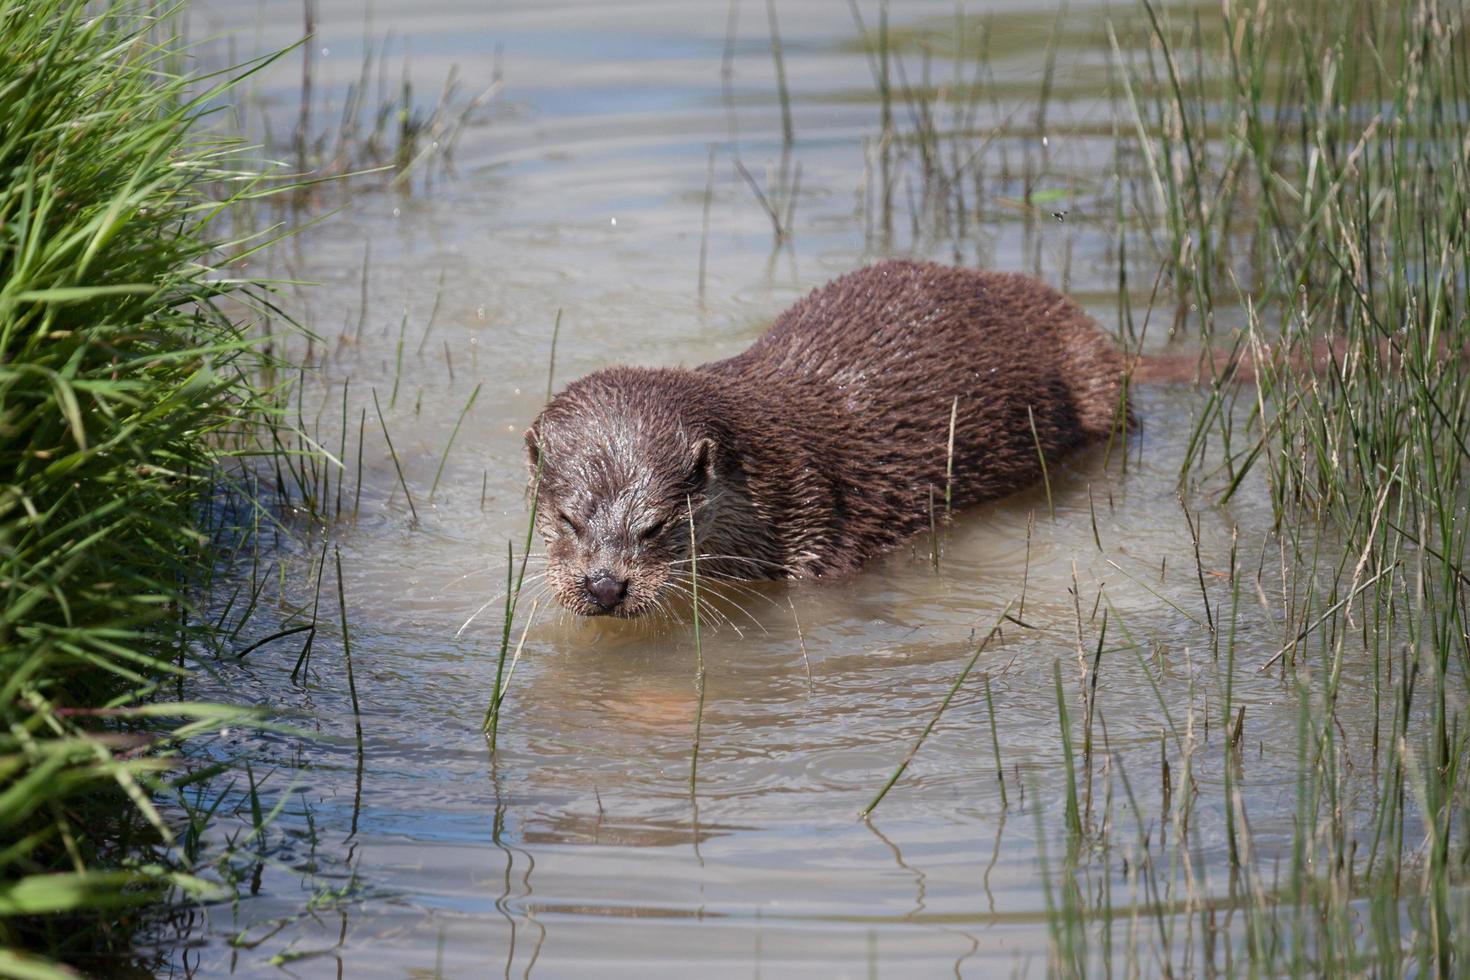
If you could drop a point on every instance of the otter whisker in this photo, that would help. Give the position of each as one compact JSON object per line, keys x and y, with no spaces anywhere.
{"x":743,"y":559}
{"x":742,"y":587}
{"x":716,"y":616}
{"x":668,"y":618}
{"x":529,"y":579}
{"x":748,"y":614}
{"x":739,"y":586}
{"x":473,"y":616}
{"x":714,"y":591}
{"x":746,"y":560}
{"x":460,"y":578}
{"x":482,"y":571}
{"x":654,"y":610}
{"x":536,"y":580}
{"x":544,"y":590}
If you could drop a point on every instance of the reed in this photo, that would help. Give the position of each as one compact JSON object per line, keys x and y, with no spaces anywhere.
{"x":1292,"y":181}
{"x":959,"y":681}
{"x":1301,"y":173}
{"x":698,"y":653}
{"x":514,"y":582}
{"x":382,"y":126}
{"x":397,"y":466}
{"x":439,"y":472}
{"x":788,"y":133}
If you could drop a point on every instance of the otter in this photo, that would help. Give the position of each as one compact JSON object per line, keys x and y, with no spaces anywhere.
{"x":823,"y":444}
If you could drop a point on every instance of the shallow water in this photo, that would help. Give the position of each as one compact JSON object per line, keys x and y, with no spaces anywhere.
{"x":578,"y":846}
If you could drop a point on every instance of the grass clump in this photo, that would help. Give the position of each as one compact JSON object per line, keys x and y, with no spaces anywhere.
{"x":1304,"y":182}
{"x":124,"y":380}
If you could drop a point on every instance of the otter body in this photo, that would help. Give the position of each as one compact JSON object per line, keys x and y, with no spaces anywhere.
{"x":823,"y":444}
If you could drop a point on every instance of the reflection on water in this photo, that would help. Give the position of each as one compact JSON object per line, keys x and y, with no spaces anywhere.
{"x":579,"y":847}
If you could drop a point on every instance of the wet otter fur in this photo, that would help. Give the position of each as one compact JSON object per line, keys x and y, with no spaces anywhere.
{"x":822,"y":444}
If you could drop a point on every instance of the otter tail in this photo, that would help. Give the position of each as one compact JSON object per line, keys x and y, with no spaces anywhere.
{"x":1199,"y":368}
{"x":1247,"y":364}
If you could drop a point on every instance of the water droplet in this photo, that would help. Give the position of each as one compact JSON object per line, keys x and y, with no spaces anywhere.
{"x":614,"y":222}
{"x":395,"y":212}
{"x":326,"y":51}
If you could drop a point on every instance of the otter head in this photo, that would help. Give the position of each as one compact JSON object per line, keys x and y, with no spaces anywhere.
{"x":618,"y":464}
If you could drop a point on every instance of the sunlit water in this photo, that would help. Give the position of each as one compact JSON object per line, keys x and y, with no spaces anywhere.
{"x":579,"y":845}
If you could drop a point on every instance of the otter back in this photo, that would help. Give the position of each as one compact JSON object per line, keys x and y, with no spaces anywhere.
{"x":870,"y":366}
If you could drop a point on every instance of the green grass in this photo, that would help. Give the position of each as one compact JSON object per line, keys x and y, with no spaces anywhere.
{"x":125,"y":367}
{"x":1303,"y":171}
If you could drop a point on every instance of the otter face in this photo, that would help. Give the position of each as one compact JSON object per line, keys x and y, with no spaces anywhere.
{"x":614,"y":498}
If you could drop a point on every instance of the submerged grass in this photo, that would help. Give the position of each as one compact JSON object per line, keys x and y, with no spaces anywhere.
{"x":125,"y":384}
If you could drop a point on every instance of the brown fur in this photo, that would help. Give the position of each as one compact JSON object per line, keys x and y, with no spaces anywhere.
{"x":820,"y":445}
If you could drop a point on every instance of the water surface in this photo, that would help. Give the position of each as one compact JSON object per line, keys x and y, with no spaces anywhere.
{"x":579,"y":193}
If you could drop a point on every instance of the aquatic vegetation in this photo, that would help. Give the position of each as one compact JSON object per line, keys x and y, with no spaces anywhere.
{"x":1294,"y":181}
{"x":1308,"y":168}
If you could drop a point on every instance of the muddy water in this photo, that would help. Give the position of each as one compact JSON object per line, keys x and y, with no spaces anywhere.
{"x":578,"y":846}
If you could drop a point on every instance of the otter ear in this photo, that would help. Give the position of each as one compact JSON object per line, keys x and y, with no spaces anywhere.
{"x":702,"y":465}
{"x":533,"y":451}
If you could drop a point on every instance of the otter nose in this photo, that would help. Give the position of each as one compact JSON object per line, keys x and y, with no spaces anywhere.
{"x":604,"y":589}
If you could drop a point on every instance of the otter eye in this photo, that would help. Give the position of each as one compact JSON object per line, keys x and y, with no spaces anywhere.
{"x":653,"y":531}
{"x":567,"y":523}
